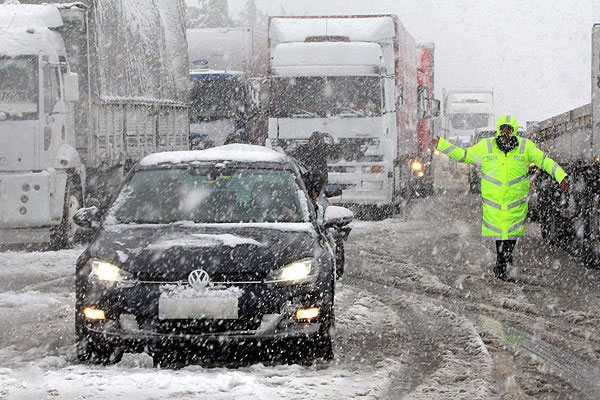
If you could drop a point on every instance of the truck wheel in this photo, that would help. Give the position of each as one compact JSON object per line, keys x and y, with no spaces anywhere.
{"x":63,"y":236}
{"x":591,"y":251}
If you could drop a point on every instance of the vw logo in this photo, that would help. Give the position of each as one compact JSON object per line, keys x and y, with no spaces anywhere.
{"x":198,"y":279}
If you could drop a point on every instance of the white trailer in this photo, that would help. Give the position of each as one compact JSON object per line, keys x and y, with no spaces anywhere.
{"x":573,"y":140}
{"x":223,"y":63}
{"x":354,"y":78}
{"x":88,"y":88}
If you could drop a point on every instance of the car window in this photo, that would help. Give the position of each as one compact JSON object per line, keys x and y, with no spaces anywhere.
{"x":210,"y":196}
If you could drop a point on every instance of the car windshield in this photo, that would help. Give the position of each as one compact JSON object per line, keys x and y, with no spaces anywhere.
{"x":20,"y":85}
{"x":468,"y":121}
{"x":356,"y":96}
{"x":210,"y":196}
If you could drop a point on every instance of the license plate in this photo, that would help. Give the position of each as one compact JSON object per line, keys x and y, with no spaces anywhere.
{"x":198,"y":308}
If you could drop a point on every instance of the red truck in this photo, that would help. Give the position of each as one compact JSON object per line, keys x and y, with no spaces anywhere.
{"x":427,"y":109}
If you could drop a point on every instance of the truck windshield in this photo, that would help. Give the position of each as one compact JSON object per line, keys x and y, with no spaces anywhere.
{"x":464,"y":121}
{"x":216,"y":99}
{"x":356,"y":96}
{"x":19,"y":88}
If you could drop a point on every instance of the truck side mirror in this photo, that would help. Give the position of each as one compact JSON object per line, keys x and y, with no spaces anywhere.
{"x":71,"y":80}
{"x":399,"y":100}
{"x":435,"y":107}
{"x":255,"y":90}
{"x":332,"y":190}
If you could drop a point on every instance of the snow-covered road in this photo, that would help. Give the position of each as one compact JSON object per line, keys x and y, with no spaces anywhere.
{"x":419,"y":316}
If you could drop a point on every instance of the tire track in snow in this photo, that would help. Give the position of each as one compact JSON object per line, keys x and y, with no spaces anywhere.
{"x":580,"y":374}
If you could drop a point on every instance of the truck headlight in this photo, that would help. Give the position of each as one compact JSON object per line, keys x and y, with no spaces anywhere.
{"x":104,"y":271}
{"x":416,"y":166}
{"x":295,"y":273}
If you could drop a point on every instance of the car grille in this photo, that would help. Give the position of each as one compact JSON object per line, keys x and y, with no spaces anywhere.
{"x":200,"y":326}
{"x":248,"y":277}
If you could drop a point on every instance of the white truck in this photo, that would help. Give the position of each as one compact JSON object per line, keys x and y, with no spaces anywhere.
{"x":354,"y":78}
{"x":224,"y":96}
{"x":87,"y":89}
{"x":573,"y":140}
{"x":466,"y":110}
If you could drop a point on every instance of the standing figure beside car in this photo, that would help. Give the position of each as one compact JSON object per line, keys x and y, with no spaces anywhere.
{"x":313,"y":157}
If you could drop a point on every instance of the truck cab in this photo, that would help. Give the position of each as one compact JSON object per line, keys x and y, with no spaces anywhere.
{"x":466,"y":110}
{"x":36,"y":120}
{"x":344,"y":76}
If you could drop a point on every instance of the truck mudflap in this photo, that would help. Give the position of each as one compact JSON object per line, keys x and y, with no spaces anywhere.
{"x":31,"y":199}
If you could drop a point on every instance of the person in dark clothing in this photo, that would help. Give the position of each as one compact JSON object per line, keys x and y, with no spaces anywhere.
{"x":313,"y":157}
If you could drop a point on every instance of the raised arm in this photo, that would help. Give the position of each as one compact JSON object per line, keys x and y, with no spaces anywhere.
{"x":456,"y":153}
{"x":543,"y":162}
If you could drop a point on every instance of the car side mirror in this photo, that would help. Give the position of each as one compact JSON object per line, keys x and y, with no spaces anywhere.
{"x":333,"y":191}
{"x":337,"y":216}
{"x":87,"y":217}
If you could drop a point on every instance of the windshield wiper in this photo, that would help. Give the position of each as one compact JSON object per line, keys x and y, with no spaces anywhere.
{"x":11,"y":112}
{"x":299,"y":111}
{"x":347,"y":110}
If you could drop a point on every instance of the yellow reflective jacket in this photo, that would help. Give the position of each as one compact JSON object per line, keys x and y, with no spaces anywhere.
{"x":504,"y":182}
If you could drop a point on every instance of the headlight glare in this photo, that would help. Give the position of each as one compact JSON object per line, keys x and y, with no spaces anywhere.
{"x":297,"y":272}
{"x":416,"y":165}
{"x":108,"y":272}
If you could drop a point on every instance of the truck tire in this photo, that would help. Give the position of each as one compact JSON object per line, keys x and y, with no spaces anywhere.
{"x":64,"y":234}
{"x":591,"y":248}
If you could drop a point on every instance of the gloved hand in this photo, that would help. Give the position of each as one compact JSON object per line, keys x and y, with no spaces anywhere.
{"x":564,"y":185}
{"x":434,"y":142}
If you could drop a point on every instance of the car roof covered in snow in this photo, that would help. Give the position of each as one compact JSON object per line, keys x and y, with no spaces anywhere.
{"x":240,"y":153}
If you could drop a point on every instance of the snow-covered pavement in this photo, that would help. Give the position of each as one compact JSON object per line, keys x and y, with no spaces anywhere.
{"x":418,"y":316}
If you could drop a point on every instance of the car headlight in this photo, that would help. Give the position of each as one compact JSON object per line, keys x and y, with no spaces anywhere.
{"x":295,"y":273}
{"x":104,"y":271}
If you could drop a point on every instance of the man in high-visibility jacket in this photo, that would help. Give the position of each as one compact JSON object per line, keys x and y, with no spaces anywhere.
{"x":504,"y":162}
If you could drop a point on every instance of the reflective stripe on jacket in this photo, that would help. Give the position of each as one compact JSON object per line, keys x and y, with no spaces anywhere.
{"x":504,"y":182}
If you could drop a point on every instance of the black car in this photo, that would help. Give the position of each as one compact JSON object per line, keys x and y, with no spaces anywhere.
{"x":216,"y":251}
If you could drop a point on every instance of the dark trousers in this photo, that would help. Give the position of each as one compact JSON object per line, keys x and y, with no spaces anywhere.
{"x":504,"y":249}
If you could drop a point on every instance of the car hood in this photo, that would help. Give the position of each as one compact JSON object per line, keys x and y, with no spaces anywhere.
{"x":227,"y":252}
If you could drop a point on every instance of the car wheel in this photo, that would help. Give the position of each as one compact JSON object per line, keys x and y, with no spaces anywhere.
{"x":325,"y":340}
{"x":327,"y":331}
{"x":340,"y":256}
{"x":98,"y":353}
